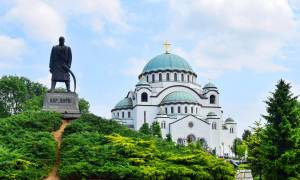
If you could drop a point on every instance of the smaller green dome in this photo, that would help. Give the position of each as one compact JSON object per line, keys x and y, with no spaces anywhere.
{"x":126,"y":103}
{"x":210,"y":86}
{"x":179,"y":96}
{"x":228,"y":120}
{"x":167,"y":61}
{"x":142,"y":82}
{"x":211,"y":114}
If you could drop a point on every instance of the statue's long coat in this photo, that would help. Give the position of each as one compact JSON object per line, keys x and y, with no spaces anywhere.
{"x":61,"y":56}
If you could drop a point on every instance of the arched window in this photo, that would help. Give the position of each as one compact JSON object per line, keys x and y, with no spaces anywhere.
{"x":144,"y":97}
{"x":185,"y":109}
{"x":212,"y":99}
{"x":172,"y":110}
{"x":196,"y":110}
{"x":147,"y":78}
{"x":214,"y":125}
{"x":123,"y":115}
{"x":153,"y":77}
{"x":178,"y":109}
{"x":192,"y":110}
{"x":168,"y":77}
{"x":175,"y":76}
{"x":118,"y":115}
{"x":182,"y":77}
{"x":188,"y":78}
{"x":129,"y":114}
{"x":180,"y":141}
{"x":191,"y":138}
{"x":166,"y":110}
{"x":163,"y":125}
{"x":231,"y":130}
{"x":160,"y":77}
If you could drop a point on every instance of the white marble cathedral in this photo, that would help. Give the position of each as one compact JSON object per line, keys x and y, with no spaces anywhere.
{"x":167,"y":92}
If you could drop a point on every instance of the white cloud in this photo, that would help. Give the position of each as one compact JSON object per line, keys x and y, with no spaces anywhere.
{"x":38,"y":19}
{"x":11,"y":50}
{"x":233,"y":35}
{"x":46,"y":20}
{"x":135,"y":66}
{"x":96,"y":13}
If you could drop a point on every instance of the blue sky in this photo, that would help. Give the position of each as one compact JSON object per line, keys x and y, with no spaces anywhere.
{"x":244,"y":47}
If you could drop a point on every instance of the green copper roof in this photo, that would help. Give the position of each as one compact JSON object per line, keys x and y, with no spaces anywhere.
{"x":167,"y":61}
{"x":229,"y":120}
{"x":179,"y":96}
{"x":211,"y":114}
{"x":142,"y":82}
{"x":126,"y":103}
{"x":209,"y":85}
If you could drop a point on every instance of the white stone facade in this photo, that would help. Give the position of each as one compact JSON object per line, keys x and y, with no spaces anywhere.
{"x":183,"y":108}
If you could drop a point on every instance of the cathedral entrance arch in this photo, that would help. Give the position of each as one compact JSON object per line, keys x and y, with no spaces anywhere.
{"x":191,"y":138}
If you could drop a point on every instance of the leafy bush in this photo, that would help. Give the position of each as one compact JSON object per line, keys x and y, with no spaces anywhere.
{"x":95,"y":148}
{"x":27,"y":148}
{"x":90,"y":122}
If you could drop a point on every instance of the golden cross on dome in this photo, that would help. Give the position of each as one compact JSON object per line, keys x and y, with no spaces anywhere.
{"x":167,"y":46}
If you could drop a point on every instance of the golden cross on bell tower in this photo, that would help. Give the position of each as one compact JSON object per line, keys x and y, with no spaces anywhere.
{"x":167,"y":46}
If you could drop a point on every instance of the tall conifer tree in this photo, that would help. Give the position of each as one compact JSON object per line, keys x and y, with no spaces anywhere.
{"x":280,"y":142}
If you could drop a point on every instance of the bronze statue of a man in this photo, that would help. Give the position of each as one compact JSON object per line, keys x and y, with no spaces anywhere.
{"x":60,"y":64}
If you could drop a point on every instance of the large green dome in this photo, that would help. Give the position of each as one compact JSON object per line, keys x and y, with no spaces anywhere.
{"x":179,"y":97}
{"x":167,"y":61}
{"x":126,"y":103}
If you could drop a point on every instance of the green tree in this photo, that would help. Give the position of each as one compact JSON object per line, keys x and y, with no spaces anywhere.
{"x":255,"y":151}
{"x":3,"y":112}
{"x":33,"y":104}
{"x":84,"y":105}
{"x":14,"y":91}
{"x":281,"y":140}
{"x":246,"y":134}
{"x":155,"y":129}
{"x":145,"y":129}
{"x":237,"y":142}
{"x":202,"y":144}
{"x":169,"y":137}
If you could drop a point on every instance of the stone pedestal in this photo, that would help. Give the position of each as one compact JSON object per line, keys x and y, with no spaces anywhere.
{"x":64,"y":103}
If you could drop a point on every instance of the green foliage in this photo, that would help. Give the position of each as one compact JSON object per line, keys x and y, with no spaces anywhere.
{"x":95,"y":148}
{"x":84,"y":106}
{"x":14,"y":91}
{"x":274,"y":149}
{"x":145,"y":129}
{"x":246,"y":134}
{"x":169,"y":138}
{"x":90,"y":122}
{"x":255,"y":152}
{"x":243,"y":166}
{"x":238,"y":147}
{"x":155,"y":129}
{"x":33,"y":104}
{"x":27,"y":148}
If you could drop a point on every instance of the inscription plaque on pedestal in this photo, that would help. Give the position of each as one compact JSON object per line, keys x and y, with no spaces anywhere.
{"x":64,"y":103}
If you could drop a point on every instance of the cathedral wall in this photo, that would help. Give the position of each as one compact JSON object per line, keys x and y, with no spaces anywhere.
{"x":227,"y":139}
{"x":182,"y":129}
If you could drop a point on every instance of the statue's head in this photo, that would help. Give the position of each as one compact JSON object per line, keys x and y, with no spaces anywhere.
{"x":61,"y":40}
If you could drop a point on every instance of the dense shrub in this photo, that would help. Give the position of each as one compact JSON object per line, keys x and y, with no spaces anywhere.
{"x":95,"y":148}
{"x":27,"y":148}
{"x":90,"y":122}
